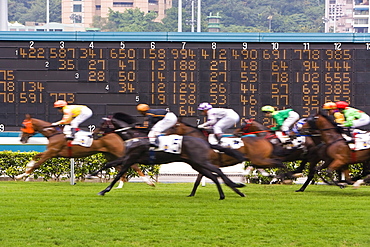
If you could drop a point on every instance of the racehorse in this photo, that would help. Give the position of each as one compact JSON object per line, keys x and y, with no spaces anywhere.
{"x":258,"y":150}
{"x":192,"y":152}
{"x":111,"y":145}
{"x":336,"y":146}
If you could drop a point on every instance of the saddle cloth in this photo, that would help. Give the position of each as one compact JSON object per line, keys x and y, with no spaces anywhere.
{"x":83,"y":138}
{"x":362,"y":140}
{"x":297,"y":142}
{"x":227,"y":142}
{"x":170,"y":144}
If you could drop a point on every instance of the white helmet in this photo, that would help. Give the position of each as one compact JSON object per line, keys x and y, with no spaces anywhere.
{"x":204,"y":106}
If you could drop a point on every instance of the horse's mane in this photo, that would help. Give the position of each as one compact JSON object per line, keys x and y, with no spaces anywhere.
{"x":330,"y":120}
{"x":187,"y":124}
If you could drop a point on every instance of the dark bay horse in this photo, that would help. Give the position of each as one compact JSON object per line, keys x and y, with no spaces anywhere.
{"x":257,"y":149}
{"x":340,"y":155}
{"x":193,"y":152}
{"x":111,"y":145}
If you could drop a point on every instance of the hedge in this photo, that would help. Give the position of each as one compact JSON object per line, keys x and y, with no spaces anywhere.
{"x":14,"y":163}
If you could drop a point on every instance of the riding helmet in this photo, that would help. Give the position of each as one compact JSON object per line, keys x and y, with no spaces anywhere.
{"x":204,"y":106}
{"x":60,"y":103}
{"x":329,"y":106}
{"x":267,"y":108}
{"x":142,"y":107}
{"x":342,"y":104}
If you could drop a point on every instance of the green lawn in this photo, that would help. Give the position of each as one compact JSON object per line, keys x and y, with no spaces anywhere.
{"x":58,"y":214}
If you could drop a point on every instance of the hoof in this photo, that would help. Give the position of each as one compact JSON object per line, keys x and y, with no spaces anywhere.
{"x":299,"y":190}
{"x":240,"y":185}
{"x":222,"y":198}
{"x":101,"y":193}
{"x":358,"y":184}
{"x":242,"y":195}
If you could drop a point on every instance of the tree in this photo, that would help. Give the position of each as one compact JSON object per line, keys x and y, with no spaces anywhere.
{"x":133,"y":20}
{"x":23,"y":10}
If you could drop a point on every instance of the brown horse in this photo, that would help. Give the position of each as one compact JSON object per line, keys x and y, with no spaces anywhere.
{"x":258,"y":150}
{"x":337,"y":149}
{"x":111,"y":145}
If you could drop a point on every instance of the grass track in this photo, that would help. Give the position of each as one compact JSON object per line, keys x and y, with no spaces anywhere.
{"x":58,"y":214}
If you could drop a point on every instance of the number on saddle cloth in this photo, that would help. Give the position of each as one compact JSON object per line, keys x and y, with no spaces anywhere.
{"x":170,"y":144}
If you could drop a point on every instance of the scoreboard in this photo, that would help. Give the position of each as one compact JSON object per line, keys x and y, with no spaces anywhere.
{"x":115,"y":76}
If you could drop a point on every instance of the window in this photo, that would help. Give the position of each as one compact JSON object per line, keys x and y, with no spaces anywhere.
{"x":123,"y":4}
{"x":77,"y":8}
{"x":97,"y":7}
{"x":153,"y":2}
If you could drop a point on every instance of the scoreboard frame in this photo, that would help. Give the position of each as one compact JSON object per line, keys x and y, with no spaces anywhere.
{"x":112,"y":72}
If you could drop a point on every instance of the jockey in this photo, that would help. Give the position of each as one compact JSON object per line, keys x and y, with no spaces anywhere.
{"x":284,"y":119}
{"x":73,"y":115}
{"x":156,"y":120}
{"x":219,"y":119}
{"x":332,"y":109}
{"x":354,"y":118}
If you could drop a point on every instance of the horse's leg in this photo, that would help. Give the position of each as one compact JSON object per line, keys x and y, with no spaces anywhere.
{"x":310,"y":176}
{"x":196,"y":184}
{"x":33,"y":164}
{"x":209,"y":175}
{"x":213,"y":169}
{"x":116,"y":178}
{"x":142,"y":176}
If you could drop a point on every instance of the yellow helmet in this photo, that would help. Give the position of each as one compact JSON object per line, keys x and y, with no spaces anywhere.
{"x":329,"y":106}
{"x":142,"y":107}
{"x":267,"y":108}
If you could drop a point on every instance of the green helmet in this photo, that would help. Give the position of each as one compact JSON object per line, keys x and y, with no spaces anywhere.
{"x":267,"y":108}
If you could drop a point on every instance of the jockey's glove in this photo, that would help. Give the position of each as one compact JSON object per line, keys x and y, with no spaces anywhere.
{"x":201,"y":126}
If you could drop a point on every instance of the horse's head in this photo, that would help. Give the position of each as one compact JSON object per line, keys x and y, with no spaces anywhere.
{"x":27,"y":129}
{"x":249,"y":126}
{"x":319,"y":121}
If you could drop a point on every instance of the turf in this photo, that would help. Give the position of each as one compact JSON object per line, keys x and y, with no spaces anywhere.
{"x":58,"y":214}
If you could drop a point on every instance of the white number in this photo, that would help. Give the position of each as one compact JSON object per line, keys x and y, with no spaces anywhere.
{"x":2,"y":127}
{"x":214,"y":45}
{"x":152,"y":45}
{"x":183,"y":45}
{"x":107,"y":87}
{"x":91,"y":127}
{"x":77,"y":75}
{"x":32,"y":44}
{"x":46,"y":64}
{"x":275,"y":46}
{"x":306,"y":46}
{"x":245,"y":45}
{"x":137,"y":98}
{"x":61,"y":44}
{"x":91,"y":45}
{"x":122,"y":45}
{"x":337,"y":46}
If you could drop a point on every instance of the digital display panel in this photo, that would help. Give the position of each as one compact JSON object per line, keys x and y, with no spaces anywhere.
{"x":115,"y":76}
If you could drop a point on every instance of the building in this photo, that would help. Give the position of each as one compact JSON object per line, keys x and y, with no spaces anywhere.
{"x":82,"y":11}
{"x":346,"y":16}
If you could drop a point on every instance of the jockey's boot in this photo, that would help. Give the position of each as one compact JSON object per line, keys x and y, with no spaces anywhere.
{"x":218,"y":138}
{"x":72,"y":136}
{"x":153,"y":142}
